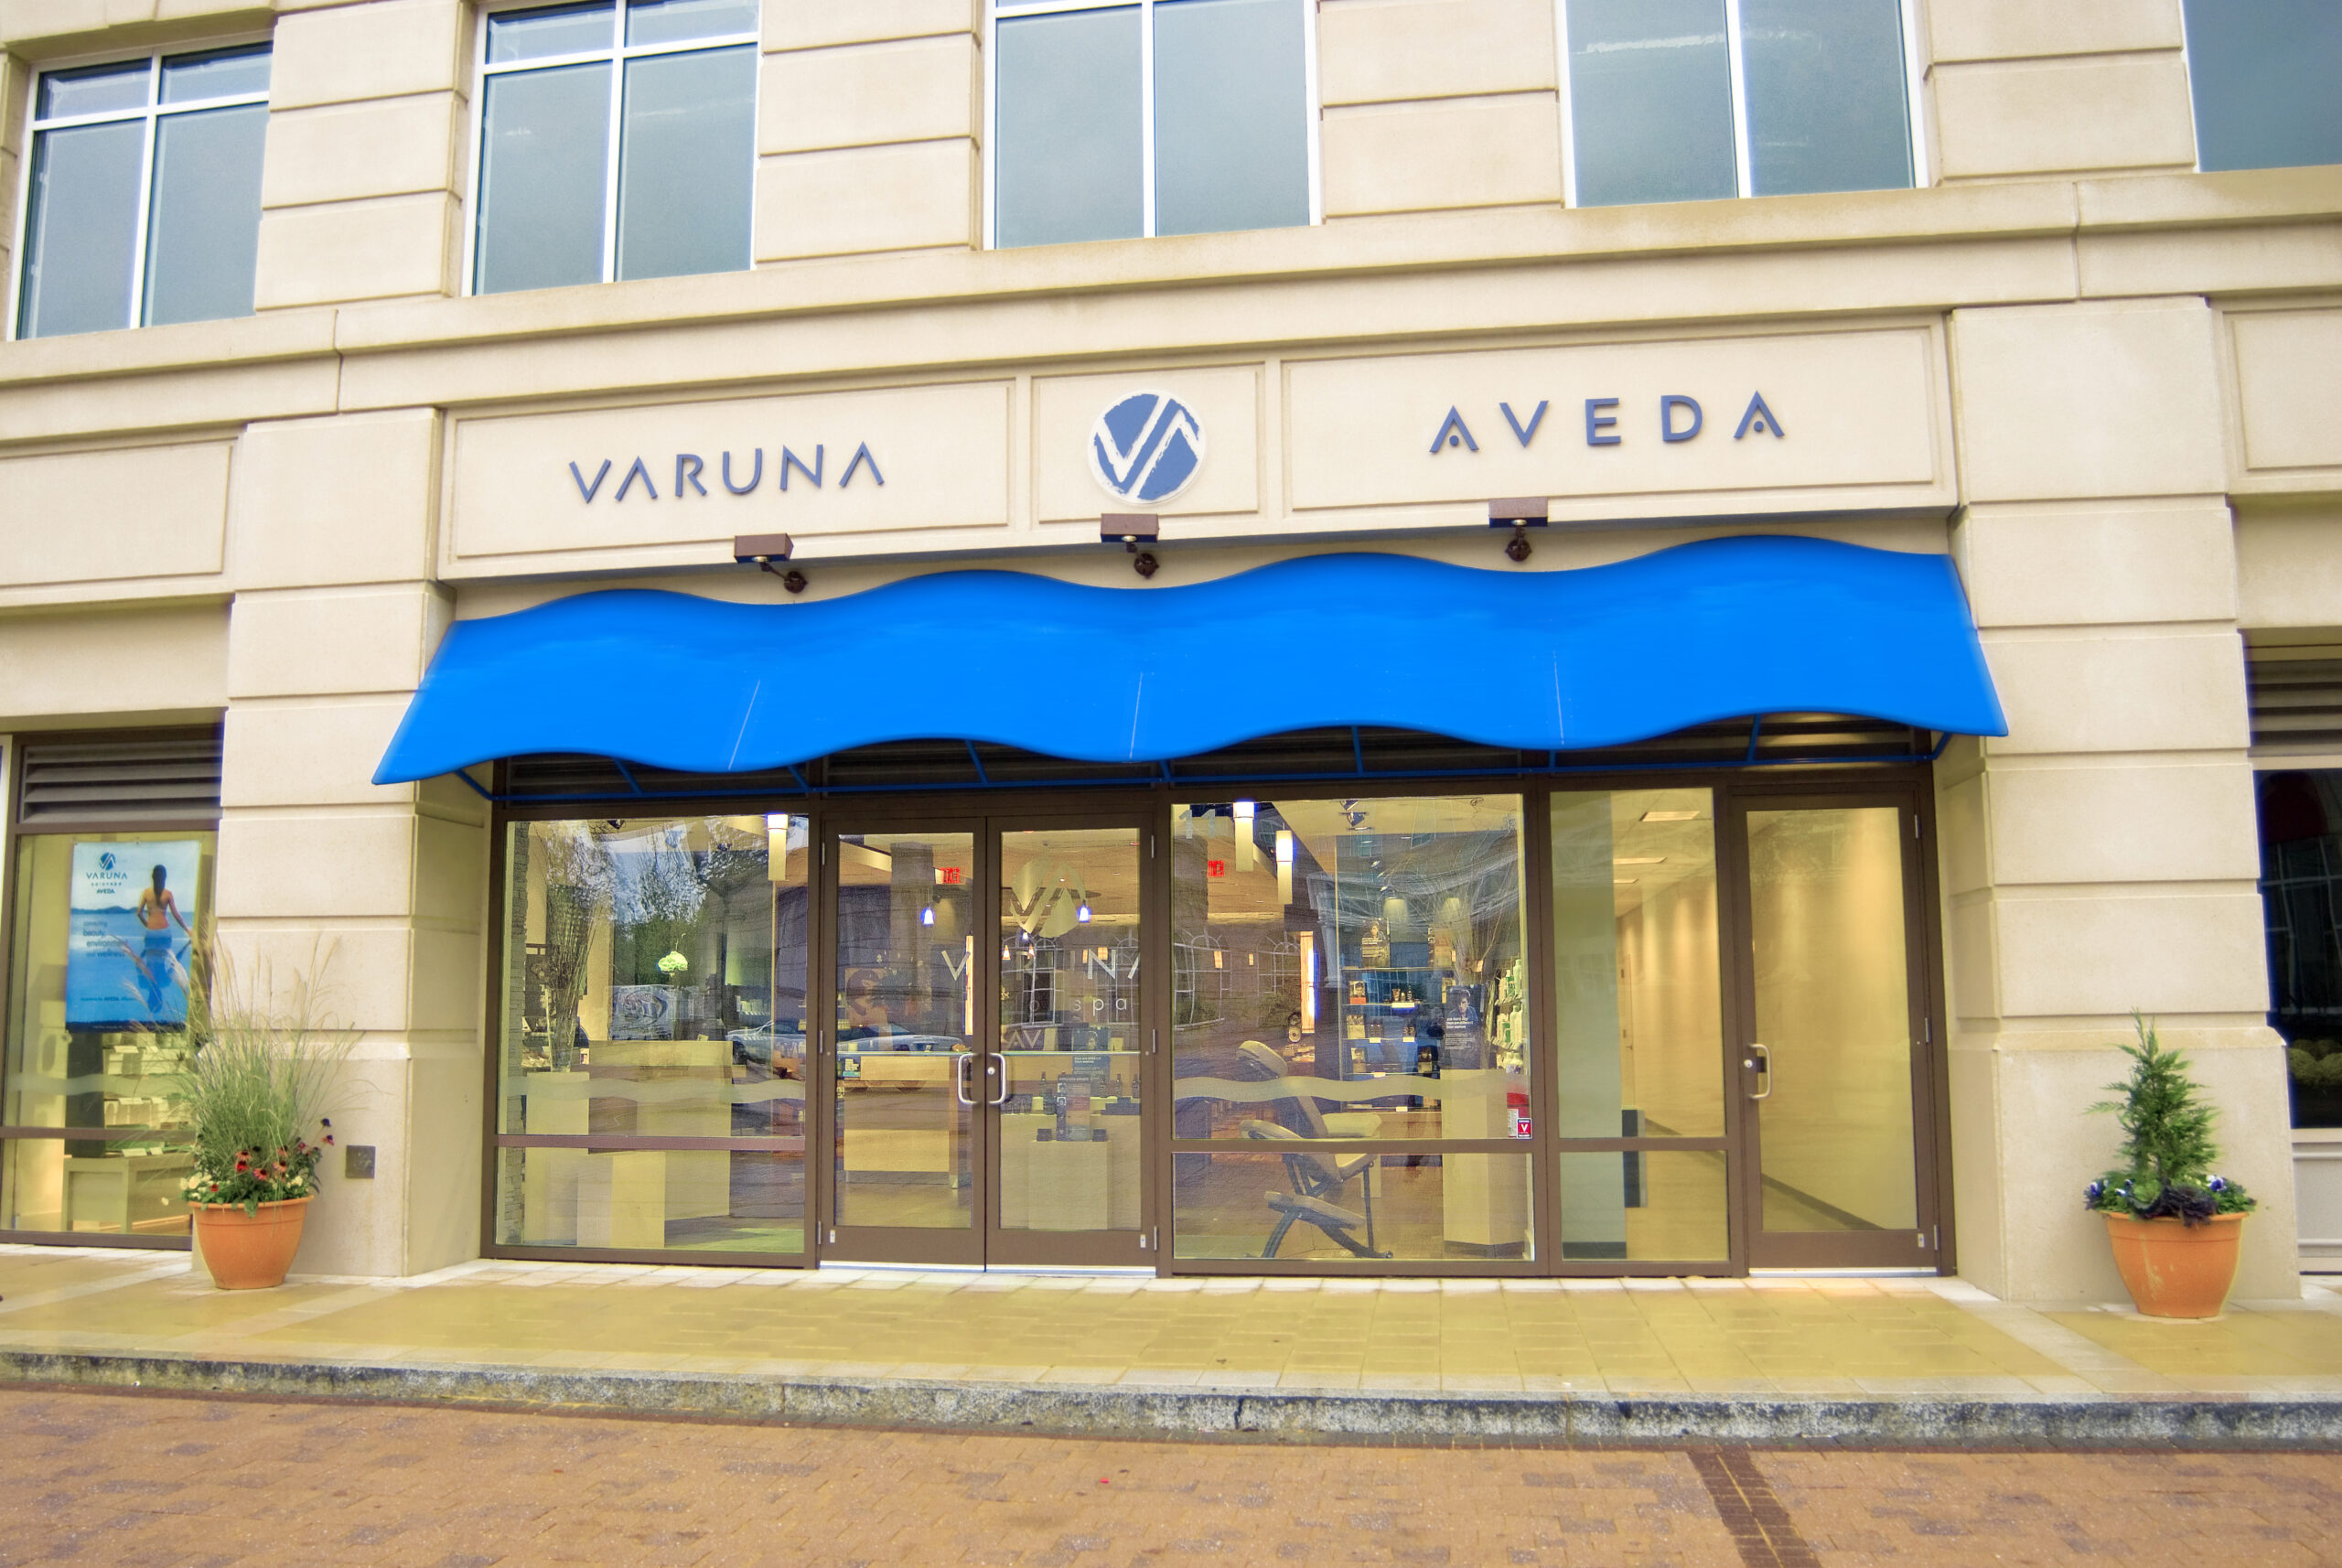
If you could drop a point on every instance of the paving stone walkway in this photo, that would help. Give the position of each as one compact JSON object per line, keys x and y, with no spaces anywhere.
{"x":1801,"y":1337}
{"x":161,"y":1481}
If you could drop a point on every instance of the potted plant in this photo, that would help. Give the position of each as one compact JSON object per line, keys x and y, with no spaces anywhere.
{"x":251,"y":1089}
{"x":2173,"y":1224}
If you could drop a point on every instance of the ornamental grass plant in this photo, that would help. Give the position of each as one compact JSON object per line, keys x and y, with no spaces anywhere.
{"x":2167,"y":1146}
{"x":264,"y":1059}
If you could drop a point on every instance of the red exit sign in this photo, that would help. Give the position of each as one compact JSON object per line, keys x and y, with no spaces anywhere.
{"x":1215,"y":868}
{"x":951,"y":876}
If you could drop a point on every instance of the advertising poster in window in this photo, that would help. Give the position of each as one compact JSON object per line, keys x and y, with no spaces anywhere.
{"x":133,"y":922}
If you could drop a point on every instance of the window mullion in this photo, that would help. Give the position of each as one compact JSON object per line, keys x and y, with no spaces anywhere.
{"x":611,"y":170}
{"x":146,"y":195}
{"x":1736,"y":55}
{"x":1146,"y":117}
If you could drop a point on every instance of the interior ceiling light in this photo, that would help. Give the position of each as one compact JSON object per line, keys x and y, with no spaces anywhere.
{"x":1671,"y":816}
{"x":1622,"y":881}
{"x":1639,"y":860}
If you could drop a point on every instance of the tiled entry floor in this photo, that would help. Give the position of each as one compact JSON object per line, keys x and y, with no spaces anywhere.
{"x":1814,"y":1338}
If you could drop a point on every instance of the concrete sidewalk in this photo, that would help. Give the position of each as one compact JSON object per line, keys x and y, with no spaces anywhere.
{"x":1891,"y":1360}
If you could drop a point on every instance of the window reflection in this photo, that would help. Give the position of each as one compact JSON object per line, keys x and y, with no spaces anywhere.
{"x":654,"y":1003}
{"x":1349,"y":969}
{"x":104,"y":979}
{"x":1316,"y":1205}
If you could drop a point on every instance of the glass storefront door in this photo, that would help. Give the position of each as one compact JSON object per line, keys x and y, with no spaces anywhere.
{"x":1067,"y":1091}
{"x":901,"y":1057}
{"x":982,"y":1067}
{"x":1831,"y":1066}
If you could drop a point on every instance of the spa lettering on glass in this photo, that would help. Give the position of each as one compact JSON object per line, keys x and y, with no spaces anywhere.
{"x":1680,"y":419}
{"x":740,"y":475}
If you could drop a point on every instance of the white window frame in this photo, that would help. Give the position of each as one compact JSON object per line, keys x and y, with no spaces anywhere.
{"x":1744,"y":163}
{"x":995,"y":11}
{"x":152,"y":112}
{"x":615,"y":56}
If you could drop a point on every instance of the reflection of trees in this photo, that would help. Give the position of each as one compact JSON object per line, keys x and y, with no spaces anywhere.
{"x":578,"y":882}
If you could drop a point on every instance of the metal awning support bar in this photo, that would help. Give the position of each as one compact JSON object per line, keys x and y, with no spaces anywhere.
{"x":1891,"y":759}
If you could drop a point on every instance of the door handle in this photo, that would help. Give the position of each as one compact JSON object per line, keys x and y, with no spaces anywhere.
{"x":1765,"y":1067}
{"x":960,"y":1076}
{"x":997,"y":1101}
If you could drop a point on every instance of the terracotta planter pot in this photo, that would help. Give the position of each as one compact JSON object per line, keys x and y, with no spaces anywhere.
{"x":2172,"y":1268}
{"x":250,"y":1251}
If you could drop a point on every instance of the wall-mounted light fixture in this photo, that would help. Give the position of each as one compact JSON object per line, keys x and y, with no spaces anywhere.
{"x":926,"y":916}
{"x":1130,"y":530}
{"x":1083,"y":913}
{"x":761,"y":550}
{"x":1519,"y":513}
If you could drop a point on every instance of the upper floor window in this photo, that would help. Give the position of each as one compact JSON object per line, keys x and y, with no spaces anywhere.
{"x":2267,"y":80}
{"x":1113,"y":120}
{"x":1693,"y":99}
{"x":142,"y":205}
{"x":617,"y":140}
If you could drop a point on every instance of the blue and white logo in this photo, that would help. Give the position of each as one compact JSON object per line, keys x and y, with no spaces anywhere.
{"x":1147,"y":449}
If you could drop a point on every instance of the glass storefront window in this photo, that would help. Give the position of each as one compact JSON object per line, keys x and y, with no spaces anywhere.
{"x":1314,"y":1204}
{"x":105,"y":979}
{"x":1349,"y":969}
{"x":651,"y":1070}
{"x":2300,"y":879}
{"x":1639,"y":1015}
{"x":1668,"y":1205}
{"x":1638,"y":1021}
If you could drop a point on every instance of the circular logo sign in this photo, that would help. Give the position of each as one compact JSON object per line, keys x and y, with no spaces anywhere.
{"x":1147,"y":449}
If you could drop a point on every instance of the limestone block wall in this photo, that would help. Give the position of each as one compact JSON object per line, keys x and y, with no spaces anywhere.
{"x":2103,"y":856}
{"x":334,"y":619}
{"x":362,"y":189}
{"x":2021,"y":90}
{"x":1437,"y":103}
{"x":869,"y":125}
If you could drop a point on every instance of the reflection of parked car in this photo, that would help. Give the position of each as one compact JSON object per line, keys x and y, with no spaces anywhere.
{"x":758,"y":1046}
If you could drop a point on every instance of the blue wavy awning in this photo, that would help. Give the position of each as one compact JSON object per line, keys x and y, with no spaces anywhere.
{"x":1533,"y":660}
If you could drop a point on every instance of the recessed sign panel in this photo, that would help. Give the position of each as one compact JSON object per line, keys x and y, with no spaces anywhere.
{"x":1646,"y":423}
{"x":908,"y":459}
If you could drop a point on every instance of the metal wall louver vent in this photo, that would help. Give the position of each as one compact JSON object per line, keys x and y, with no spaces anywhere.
{"x":172,"y":778}
{"x":2296,"y":705}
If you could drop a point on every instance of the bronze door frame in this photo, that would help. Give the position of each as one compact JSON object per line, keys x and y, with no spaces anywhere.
{"x":1753,"y":1247}
{"x":982,"y":811}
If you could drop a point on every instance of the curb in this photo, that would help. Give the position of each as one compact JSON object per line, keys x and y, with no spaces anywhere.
{"x":1258,"y":1416}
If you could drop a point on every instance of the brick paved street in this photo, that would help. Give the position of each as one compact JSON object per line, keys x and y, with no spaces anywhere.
{"x":148,"y":1481}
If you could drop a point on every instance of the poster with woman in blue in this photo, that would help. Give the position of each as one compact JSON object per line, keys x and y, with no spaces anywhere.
{"x":132,"y":925}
